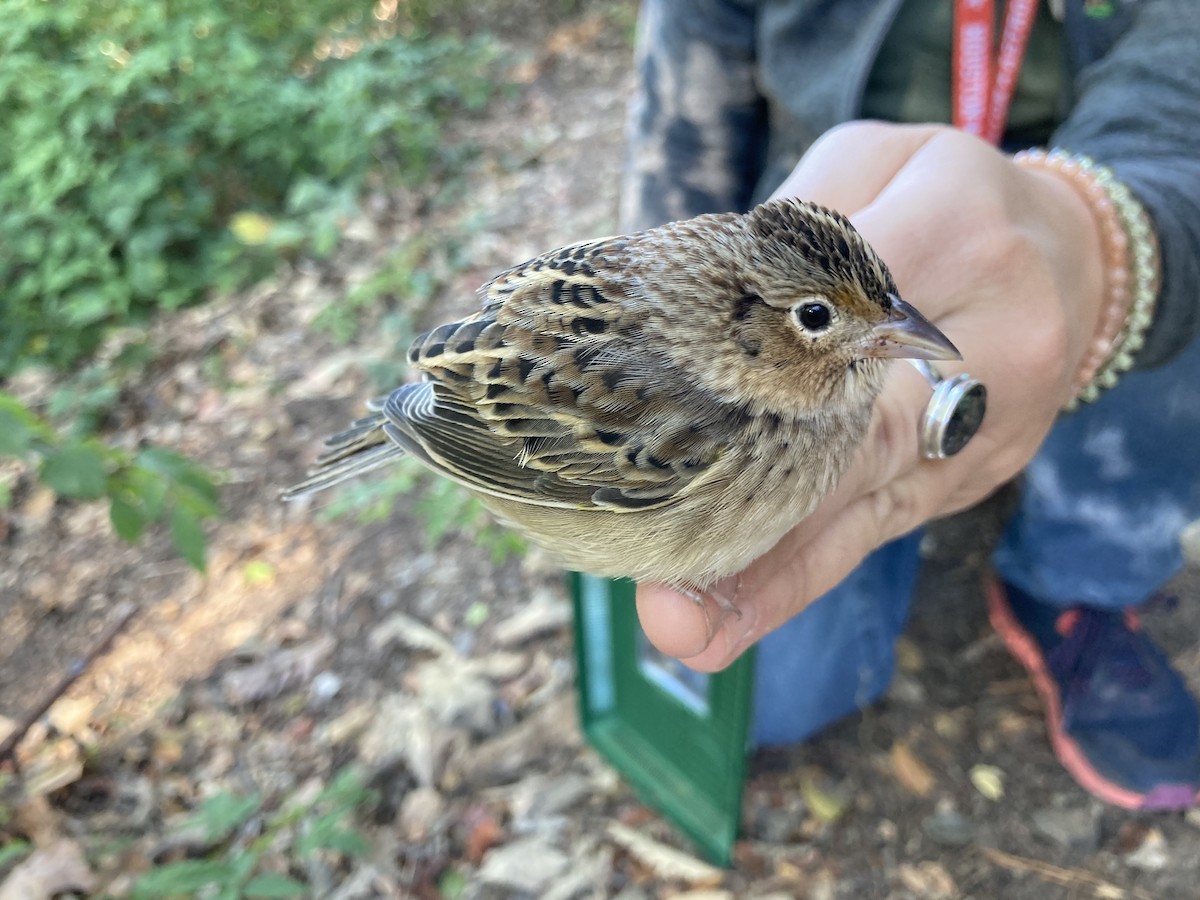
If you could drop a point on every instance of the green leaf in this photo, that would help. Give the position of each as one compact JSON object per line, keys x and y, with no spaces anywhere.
{"x":222,"y":813}
{"x":133,"y":355}
{"x":258,"y":572}
{"x":346,"y":791}
{"x":271,"y":884}
{"x":162,"y":461}
{"x":200,"y":483}
{"x":19,"y":427}
{"x":477,"y":613}
{"x":453,"y":884}
{"x":15,"y":436}
{"x":134,"y":133}
{"x":327,"y":833}
{"x":127,"y":520}
{"x":184,"y":877}
{"x":12,"y":851}
{"x":76,"y":470}
{"x":188,"y":537}
{"x":199,"y":491}
{"x":151,"y":489}
{"x":241,"y":865}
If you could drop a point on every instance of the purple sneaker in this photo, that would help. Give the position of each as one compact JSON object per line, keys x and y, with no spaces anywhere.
{"x":1120,"y":718}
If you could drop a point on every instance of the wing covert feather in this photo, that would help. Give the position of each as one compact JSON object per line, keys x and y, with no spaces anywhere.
{"x":551,"y":395}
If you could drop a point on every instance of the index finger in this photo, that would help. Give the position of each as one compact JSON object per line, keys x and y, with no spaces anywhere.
{"x":850,"y":165}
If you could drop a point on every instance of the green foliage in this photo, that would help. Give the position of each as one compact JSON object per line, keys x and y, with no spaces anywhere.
{"x":153,"y":150}
{"x":143,"y":487}
{"x":447,"y":507}
{"x":404,"y":275}
{"x":323,"y":824}
{"x":421,"y":269}
{"x":443,"y":506}
{"x":12,"y":852}
{"x":453,"y":884}
{"x":220,"y":814}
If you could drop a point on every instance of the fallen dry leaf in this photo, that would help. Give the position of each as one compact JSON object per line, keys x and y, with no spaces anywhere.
{"x":546,"y":611}
{"x":988,"y":780}
{"x":949,"y":726}
{"x":913,"y":775}
{"x":484,"y":831}
{"x":928,"y":880}
{"x":909,"y":657}
{"x":410,"y":633}
{"x":280,"y":672}
{"x":576,"y":35}
{"x":828,"y":805}
{"x":54,"y":869}
{"x":404,"y":731}
{"x":38,"y":820}
{"x":666,"y":862}
{"x":54,"y":770}
{"x":526,"y":867}
{"x":1151,"y":854}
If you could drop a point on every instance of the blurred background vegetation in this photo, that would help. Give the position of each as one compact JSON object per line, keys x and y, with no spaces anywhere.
{"x":159,"y":152}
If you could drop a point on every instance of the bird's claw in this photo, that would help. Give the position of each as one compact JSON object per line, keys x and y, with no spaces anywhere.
{"x":725,"y":608}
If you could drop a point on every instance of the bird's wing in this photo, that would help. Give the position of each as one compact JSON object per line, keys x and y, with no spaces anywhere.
{"x":450,"y":437}
{"x":549,"y":395}
{"x":565,"y":466}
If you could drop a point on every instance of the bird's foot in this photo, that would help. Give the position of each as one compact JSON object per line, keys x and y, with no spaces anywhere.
{"x":725,"y":606}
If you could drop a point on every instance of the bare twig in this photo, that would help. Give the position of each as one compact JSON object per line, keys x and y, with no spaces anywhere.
{"x":124,"y":616}
{"x":1070,"y":878}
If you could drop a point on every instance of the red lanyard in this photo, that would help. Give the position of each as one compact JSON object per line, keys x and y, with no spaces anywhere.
{"x":982,"y":97}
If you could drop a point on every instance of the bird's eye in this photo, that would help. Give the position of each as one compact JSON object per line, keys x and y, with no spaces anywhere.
{"x":813,"y":316}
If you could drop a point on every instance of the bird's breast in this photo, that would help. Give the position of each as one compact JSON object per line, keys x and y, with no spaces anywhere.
{"x":771,"y":478}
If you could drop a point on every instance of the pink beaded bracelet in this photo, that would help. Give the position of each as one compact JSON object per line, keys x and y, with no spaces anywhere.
{"x":1131,"y":269}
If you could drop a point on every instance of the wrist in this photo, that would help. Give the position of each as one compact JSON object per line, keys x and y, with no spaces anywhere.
{"x":1128,"y":254}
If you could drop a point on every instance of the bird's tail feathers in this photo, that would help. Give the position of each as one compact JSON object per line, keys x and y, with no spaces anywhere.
{"x":359,"y":449}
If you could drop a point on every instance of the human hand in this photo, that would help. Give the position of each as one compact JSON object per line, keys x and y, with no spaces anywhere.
{"x":1007,"y":261}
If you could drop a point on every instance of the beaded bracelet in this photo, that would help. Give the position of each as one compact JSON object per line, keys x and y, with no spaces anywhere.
{"x":1130,"y":255}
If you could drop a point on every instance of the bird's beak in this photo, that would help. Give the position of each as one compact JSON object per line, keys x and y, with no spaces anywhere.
{"x":906,"y":334}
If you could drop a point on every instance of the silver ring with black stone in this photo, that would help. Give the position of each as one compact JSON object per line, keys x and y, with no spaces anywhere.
{"x":954,"y":413}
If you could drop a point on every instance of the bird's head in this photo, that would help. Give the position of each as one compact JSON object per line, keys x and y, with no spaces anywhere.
{"x":807,"y":312}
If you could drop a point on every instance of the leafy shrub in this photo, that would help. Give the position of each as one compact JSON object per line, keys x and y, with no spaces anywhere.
{"x":137,"y":131}
{"x":324,"y":824}
{"x":443,"y":507}
{"x":152,"y":485}
{"x":155,"y":150}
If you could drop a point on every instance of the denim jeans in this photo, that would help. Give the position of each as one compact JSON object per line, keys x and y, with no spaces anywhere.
{"x":1098,"y":523}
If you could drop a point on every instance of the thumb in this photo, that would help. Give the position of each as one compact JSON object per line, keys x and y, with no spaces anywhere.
{"x":874,"y":503}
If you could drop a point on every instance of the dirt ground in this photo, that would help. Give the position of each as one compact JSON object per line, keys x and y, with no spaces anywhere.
{"x":313,"y":644}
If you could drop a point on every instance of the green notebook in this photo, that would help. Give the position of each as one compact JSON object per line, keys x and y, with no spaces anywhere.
{"x":678,"y":736}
